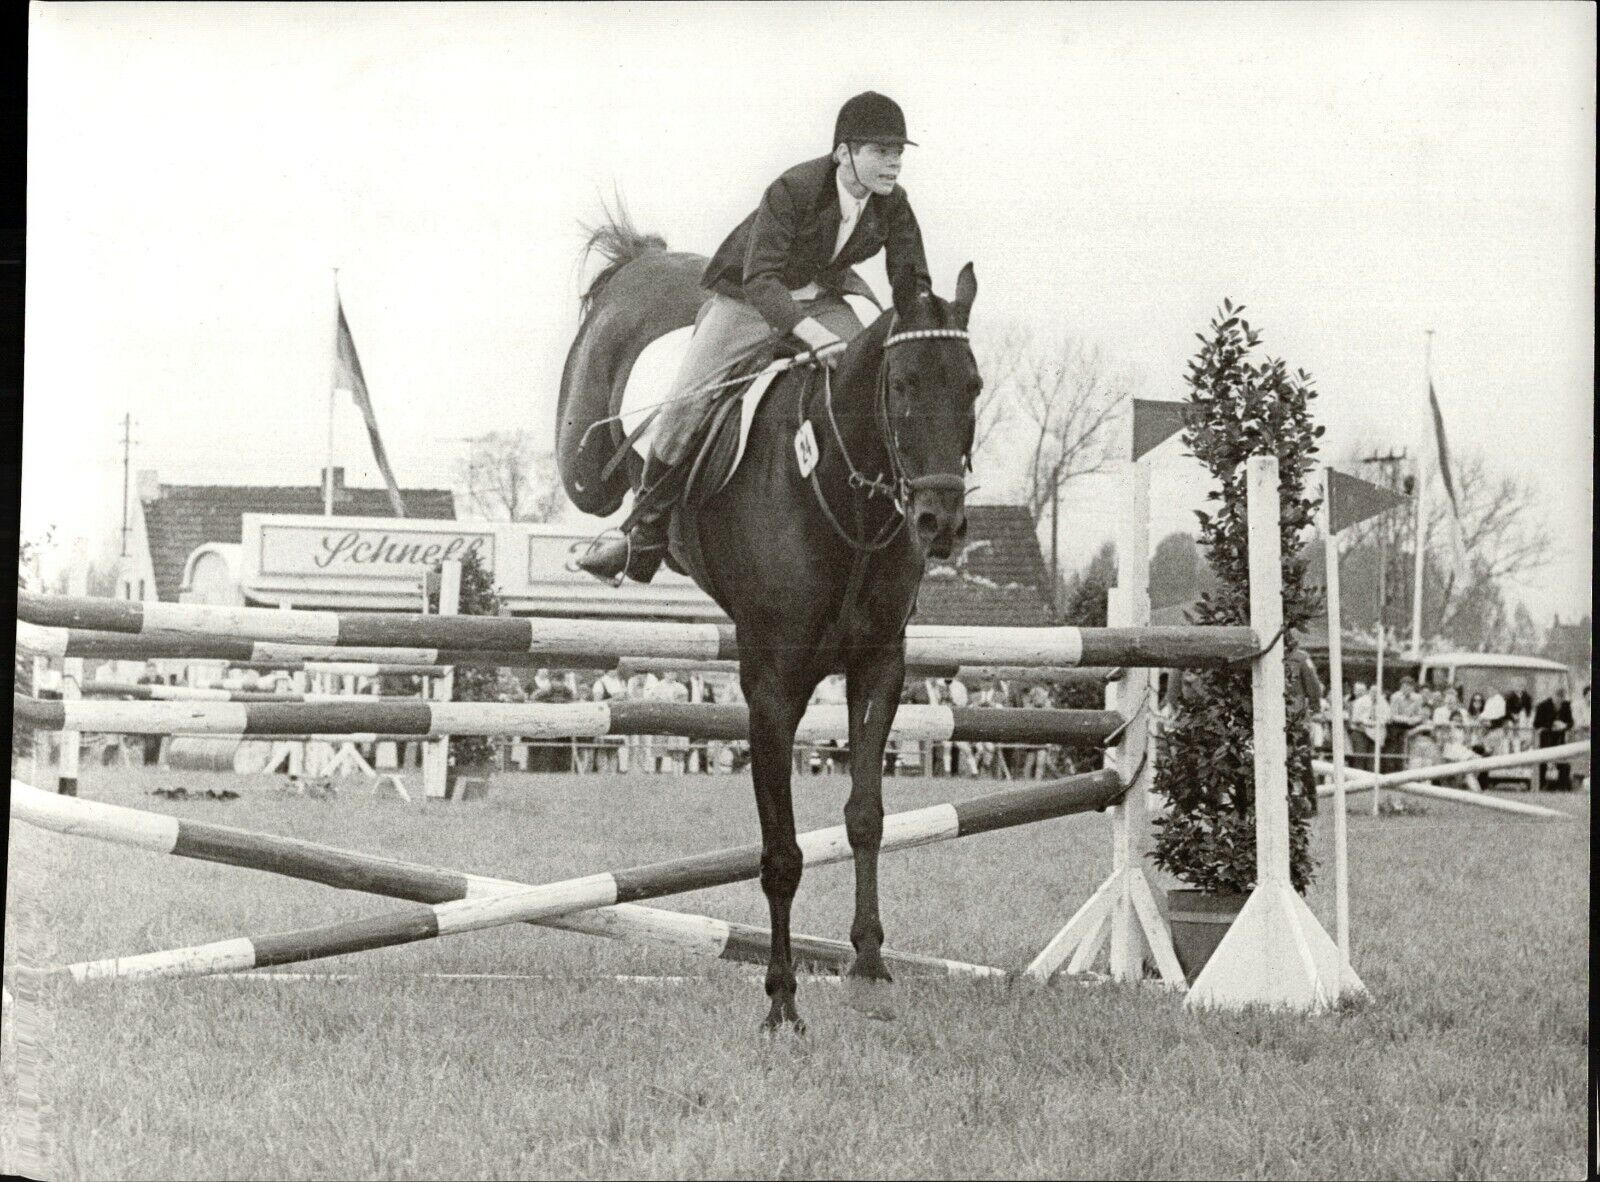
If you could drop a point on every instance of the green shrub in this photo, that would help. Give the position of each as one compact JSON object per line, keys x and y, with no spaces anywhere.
{"x":1237,"y":408}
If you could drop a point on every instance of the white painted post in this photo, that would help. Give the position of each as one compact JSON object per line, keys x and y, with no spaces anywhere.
{"x":1124,"y":909}
{"x":1341,"y":822}
{"x":1275,"y":953}
{"x":1267,"y":689}
{"x":436,"y":754}
{"x":72,"y":680}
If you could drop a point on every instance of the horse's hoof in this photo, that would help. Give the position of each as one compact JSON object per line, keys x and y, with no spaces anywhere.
{"x":775,"y":1027}
{"x":867,"y":996}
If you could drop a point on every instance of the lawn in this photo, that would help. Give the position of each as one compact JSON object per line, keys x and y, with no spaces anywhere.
{"x":1469,"y":1060}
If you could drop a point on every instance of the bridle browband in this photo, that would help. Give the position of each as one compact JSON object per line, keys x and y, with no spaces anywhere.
{"x":898,"y":487}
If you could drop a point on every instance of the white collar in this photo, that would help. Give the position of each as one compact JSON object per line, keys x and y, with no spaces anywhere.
{"x":846,"y":199}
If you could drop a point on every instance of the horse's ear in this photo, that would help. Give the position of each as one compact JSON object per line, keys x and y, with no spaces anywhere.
{"x":907,"y":288}
{"x":966,"y":292}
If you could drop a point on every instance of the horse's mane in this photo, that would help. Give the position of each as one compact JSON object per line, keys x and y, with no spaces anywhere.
{"x":619,"y":242}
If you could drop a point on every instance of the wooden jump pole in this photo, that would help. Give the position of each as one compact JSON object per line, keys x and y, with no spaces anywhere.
{"x":237,"y":633}
{"x":1095,"y":790}
{"x":1415,"y":779}
{"x":543,"y":720}
{"x":347,"y":870}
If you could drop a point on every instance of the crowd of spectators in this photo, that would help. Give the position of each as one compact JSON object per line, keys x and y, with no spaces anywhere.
{"x":1420,"y":726}
{"x":677,"y":755}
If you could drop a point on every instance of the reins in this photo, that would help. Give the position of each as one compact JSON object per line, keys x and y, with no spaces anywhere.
{"x":897,"y":488}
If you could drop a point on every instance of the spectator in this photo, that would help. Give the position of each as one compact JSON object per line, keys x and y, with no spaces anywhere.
{"x":991,"y":694}
{"x":1305,"y":695}
{"x":1580,"y":730}
{"x":1369,"y":716}
{"x":673,"y":749}
{"x":1552,"y":722}
{"x":1406,"y":713}
{"x":1037,"y":762}
{"x":610,"y":751}
{"x":1452,"y":733}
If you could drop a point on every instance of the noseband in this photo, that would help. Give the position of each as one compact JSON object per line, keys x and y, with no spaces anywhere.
{"x":905,"y":485}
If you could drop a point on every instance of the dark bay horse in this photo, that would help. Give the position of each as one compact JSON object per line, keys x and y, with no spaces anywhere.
{"x":818,"y":574}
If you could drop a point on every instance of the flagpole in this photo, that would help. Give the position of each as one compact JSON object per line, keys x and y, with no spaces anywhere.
{"x":333,"y":385}
{"x":1341,"y":842}
{"x":1422,"y":517}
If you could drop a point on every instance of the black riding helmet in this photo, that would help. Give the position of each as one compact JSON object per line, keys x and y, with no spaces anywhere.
{"x":871,"y":117}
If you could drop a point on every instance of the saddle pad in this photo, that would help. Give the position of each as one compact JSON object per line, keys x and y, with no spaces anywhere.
{"x":651,"y":381}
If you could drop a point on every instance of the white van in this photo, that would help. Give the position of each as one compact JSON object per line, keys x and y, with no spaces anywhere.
{"x":1492,"y":673}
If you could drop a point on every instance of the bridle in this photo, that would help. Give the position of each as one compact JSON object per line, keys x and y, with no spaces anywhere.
{"x":899,"y":486}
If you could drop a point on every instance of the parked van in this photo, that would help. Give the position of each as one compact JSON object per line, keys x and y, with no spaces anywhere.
{"x":1496,"y":673}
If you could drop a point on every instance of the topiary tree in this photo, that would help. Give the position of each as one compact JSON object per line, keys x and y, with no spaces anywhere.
{"x":470,"y":753}
{"x":1238,"y":408}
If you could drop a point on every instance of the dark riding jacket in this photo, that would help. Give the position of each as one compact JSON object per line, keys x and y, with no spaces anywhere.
{"x":788,"y":242}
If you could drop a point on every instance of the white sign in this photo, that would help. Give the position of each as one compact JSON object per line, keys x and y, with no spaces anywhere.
{"x":387,"y":552}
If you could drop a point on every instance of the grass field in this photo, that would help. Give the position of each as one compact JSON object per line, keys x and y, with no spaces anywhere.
{"x":1469,"y":1060}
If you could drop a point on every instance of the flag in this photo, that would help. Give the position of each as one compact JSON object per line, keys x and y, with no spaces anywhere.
{"x":1352,"y":500}
{"x":1441,"y":448}
{"x":347,"y":376}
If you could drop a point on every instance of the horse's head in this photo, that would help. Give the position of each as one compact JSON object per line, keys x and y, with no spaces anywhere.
{"x":928,"y":405}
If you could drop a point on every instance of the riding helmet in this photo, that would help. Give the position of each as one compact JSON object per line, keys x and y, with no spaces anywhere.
{"x":872,"y":118}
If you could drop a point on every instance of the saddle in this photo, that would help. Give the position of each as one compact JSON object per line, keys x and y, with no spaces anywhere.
{"x":717,"y":447}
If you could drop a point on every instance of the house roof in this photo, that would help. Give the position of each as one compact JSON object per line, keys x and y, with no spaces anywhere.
{"x":181,"y":517}
{"x":998,"y":578}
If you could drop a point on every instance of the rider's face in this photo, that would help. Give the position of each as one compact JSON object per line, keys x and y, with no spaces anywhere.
{"x":876,"y":166}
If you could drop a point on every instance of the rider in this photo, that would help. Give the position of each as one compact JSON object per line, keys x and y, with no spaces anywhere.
{"x":782,"y":273}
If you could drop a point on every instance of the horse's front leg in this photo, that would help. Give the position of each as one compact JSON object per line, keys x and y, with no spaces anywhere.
{"x":875,"y":679}
{"x":776,"y":707}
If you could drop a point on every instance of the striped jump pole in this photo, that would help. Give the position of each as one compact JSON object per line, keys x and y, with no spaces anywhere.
{"x":550,"y":640}
{"x":1415,"y":780}
{"x":347,"y":870}
{"x":547,"y":720}
{"x":1096,"y":790}
{"x":191,"y":693}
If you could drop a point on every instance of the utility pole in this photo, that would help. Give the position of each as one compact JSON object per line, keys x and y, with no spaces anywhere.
{"x":127,"y":445}
{"x":1055,"y":552}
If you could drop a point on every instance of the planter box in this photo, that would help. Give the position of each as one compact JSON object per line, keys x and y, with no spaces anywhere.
{"x":1199,"y":920}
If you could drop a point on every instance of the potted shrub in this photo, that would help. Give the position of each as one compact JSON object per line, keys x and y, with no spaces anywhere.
{"x":1237,"y":407}
{"x":471,"y":756}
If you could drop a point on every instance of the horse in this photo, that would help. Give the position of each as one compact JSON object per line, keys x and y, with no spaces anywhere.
{"x":819,"y":572}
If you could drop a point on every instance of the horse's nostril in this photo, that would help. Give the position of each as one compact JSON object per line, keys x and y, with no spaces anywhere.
{"x":927,"y":524}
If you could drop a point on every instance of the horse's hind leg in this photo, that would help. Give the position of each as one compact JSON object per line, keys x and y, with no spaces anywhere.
{"x":775,"y":710}
{"x":874,"y":689}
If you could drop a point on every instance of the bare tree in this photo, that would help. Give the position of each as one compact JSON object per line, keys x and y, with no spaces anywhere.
{"x":510,"y":477}
{"x":1061,"y":399}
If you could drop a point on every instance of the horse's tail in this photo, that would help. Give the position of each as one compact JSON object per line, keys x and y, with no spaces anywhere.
{"x":617,"y":240}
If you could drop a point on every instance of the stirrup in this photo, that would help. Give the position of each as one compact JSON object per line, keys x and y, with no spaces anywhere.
{"x":593,"y":544}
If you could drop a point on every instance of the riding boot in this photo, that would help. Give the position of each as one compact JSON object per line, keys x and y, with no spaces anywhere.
{"x":639,"y":553}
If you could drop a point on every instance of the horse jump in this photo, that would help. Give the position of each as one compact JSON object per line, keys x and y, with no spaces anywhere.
{"x":460,"y":902}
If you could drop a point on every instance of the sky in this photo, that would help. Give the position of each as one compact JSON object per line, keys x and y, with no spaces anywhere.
{"x":1354,"y":174}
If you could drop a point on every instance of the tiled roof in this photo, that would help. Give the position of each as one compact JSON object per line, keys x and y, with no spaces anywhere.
{"x":997,"y":578}
{"x":184,"y":516}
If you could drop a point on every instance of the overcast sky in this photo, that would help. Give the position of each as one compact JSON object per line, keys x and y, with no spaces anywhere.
{"x":1356,"y":174}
